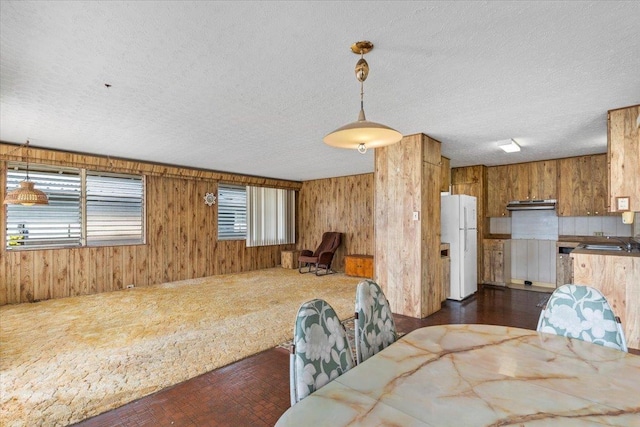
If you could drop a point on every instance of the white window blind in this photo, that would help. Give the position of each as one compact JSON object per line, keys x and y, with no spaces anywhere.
{"x":57,"y":224}
{"x":115,"y":209}
{"x":232,"y":212}
{"x":85,"y":208}
{"x":270,"y":216}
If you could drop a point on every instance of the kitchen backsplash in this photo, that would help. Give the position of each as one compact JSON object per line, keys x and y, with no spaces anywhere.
{"x":572,"y":226}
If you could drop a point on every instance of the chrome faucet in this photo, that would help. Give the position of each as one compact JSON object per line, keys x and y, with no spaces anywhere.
{"x":627,"y":245}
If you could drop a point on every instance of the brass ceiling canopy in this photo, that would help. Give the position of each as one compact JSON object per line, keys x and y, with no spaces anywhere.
{"x":362,"y":134}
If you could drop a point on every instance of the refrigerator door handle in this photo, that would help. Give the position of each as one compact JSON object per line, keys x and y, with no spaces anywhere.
{"x":466,"y":249}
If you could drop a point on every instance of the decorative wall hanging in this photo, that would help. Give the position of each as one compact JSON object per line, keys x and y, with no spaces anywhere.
{"x":210,"y":199}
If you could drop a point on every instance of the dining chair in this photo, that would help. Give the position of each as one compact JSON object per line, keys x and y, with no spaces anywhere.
{"x":374,"y":325}
{"x":580,"y":311}
{"x":320,"y":352}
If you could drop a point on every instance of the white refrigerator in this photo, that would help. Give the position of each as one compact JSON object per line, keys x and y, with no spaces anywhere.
{"x":459,"y":229}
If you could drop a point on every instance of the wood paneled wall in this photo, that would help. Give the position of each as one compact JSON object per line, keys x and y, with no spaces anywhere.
{"x":181,"y":236}
{"x":617,"y":277}
{"x":407,"y":250}
{"x":343,"y":204}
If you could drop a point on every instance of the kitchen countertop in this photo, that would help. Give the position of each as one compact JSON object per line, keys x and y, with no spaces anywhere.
{"x":578,"y":250}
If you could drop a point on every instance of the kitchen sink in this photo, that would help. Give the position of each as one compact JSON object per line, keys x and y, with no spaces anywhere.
{"x":601,"y":247}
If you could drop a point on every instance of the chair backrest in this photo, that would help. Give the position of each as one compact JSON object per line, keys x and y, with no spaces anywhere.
{"x":330,"y":242}
{"x":321,"y":349}
{"x":374,"y":325}
{"x":580,"y":311}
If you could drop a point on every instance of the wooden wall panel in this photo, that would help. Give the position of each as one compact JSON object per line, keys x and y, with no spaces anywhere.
{"x":407,"y":251}
{"x":343,"y":204}
{"x":430,"y":228}
{"x":181,"y":235}
{"x":4,"y":291}
{"x":617,"y":277}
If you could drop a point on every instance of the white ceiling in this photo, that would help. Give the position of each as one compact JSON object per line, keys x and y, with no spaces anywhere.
{"x":252,"y":87}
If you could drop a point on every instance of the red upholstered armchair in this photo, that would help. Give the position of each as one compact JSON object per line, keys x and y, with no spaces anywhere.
{"x":322,"y":257}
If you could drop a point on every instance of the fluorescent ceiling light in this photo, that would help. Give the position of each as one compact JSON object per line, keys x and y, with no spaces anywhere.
{"x":509,"y":146}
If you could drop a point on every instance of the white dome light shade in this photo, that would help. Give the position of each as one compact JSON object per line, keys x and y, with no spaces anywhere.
{"x":371,"y":134}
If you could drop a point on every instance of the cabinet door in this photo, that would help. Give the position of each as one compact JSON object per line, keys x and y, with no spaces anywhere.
{"x":517,"y":181}
{"x":487,"y":272}
{"x":494,"y":267}
{"x":543,"y":179}
{"x":445,"y":174}
{"x":582,"y":186}
{"x":564,"y":269}
{"x":599,"y":185}
{"x":624,"y":157}
{"x":498,"y":192}
{"x":574,"y":186}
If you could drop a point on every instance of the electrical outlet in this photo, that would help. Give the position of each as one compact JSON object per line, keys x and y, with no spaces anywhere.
{"x":598,"y":233}
{"x":416,"y":215}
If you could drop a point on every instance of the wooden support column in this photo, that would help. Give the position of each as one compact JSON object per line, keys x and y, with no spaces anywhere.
{"x":407,"y":225}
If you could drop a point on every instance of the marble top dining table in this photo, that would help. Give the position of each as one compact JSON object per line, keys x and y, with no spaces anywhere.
{"x":480,"y":375}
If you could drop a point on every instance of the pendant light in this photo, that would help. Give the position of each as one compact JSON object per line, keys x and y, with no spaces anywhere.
{"x":362,"y":134}
{"x":26,"y":194}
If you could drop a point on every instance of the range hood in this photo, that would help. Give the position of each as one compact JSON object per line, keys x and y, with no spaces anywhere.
{"x":531,"y":205}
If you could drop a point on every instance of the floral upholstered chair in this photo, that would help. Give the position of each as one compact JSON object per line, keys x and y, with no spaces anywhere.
{"x":320,"y":351}
{"x":374,"y":325}
{"x":579,"y":311}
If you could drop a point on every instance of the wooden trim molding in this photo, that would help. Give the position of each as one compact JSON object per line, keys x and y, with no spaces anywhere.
{"x":13,"y":152}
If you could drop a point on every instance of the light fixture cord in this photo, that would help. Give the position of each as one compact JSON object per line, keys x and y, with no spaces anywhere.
{"x":361,"y":86}
{"x":27,"y":145}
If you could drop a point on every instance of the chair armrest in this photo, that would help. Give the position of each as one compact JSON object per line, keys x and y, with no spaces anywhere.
{"x":306,"y":252}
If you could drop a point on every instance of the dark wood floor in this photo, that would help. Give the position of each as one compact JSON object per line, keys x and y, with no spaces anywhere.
{"x":255,"y":391}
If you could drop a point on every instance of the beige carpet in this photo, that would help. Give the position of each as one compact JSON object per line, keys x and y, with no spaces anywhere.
{"x":62,"y":361}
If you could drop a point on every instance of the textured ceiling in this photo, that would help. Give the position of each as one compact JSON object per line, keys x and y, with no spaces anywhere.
{"x":252,"y":87}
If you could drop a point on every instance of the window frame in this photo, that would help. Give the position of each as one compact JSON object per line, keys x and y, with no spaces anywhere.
{"x":35,"y":169}
{"x":227,"y":235}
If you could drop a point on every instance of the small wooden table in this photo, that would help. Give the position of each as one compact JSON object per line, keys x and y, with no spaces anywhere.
{"x":359,"y":266}
{"x":479,"y":375}
{"x":289,"y":259}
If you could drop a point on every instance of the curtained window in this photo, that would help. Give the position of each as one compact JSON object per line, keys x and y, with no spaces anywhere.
{"x":270,"y":216}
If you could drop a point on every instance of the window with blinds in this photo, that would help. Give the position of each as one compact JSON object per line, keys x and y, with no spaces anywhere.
{"x":57,"y":224}
{"x":114,"y":209}
{"x":232,"y":212}
{"x":112,"y":212}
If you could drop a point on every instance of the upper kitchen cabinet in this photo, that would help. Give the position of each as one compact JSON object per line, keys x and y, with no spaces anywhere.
{"x":582,"y":186}
{"x":445,"y":174}
{"x":498,"y":191}
{"x":624,"y":157}
{"x":543,"y":178}
{"x":521,"y":181}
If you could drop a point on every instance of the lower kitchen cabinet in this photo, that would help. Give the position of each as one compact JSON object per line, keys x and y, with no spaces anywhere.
{"x":497,"y":262}
{"x":564,"y":269}
{"x":359,"y":266}
{"x":445,"y":289}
